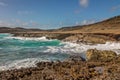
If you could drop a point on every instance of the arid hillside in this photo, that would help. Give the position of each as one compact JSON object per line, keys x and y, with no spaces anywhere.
{"x":17,"y":29}
{"x":111,"y":25}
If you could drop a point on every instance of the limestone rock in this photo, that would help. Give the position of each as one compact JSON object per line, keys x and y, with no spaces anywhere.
{"x":98,"y":55}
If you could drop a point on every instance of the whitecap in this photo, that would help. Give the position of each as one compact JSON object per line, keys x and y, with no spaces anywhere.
{"x":72,"y":48}
{"x":27,"y":38}
{"x":18,"y":64}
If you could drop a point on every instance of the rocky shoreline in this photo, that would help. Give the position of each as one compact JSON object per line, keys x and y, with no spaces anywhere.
{"x":73,"y":37}
{"x":96,"y":67}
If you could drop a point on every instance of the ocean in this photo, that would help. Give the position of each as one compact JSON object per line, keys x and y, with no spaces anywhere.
{"x":21,"y":52}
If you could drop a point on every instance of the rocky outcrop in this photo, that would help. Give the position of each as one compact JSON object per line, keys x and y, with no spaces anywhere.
{"x":98,"y":55}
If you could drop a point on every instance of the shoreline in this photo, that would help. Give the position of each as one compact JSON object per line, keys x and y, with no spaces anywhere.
{"x":69,"y":69}
{"x":101,"y":62}
{"x":78,"y":37}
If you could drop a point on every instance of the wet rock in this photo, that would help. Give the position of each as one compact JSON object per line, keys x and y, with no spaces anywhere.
{"x":98,"y":55}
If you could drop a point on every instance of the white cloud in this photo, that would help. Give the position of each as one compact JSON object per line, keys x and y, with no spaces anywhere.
{"x":14,"y":23}
{"x":6,"y":24}
{"x":22,"y":23}
{"x":86,"y":22}
{"x":3,"y":4}
{"x":33,"y":23}
{"x":114,"y":8}
{"x":84,"y":3}
{"x":25,"y":24}
{"x":77,"y":23}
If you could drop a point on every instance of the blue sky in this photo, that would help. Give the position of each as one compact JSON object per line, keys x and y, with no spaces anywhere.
{"x":49,"y":14}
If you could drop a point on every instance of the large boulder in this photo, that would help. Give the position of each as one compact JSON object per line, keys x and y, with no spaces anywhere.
{"x":98,"y":55}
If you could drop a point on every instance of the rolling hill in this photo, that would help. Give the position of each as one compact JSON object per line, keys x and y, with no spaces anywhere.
{"x":111,"y":25}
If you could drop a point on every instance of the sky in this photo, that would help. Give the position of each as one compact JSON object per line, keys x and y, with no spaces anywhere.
{"x":52,"y":14}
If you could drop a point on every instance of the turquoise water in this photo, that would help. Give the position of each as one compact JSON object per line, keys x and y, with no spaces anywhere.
{"x":21,"y":52}
{"x":15,"y":49}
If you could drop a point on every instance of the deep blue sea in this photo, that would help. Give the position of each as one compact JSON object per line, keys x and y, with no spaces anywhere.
{"x":18,"y":52}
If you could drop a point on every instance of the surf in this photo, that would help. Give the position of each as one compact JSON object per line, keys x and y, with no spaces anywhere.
{"x":22,"y":52}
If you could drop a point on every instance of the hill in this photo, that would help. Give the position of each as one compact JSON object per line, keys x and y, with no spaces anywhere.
{"x":17,"y":29}
{"x":111,"y":25}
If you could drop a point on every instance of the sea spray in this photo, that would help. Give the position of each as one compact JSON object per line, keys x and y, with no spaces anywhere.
{"x":18,"y":52}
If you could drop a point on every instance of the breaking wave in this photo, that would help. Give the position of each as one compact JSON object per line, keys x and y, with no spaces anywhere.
{"x":27,"y":38}
{"x":71,"y":48}
{"x":21,"y":52}
{"x":17,"y":64}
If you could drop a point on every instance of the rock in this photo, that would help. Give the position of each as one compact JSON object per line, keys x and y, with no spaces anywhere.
{"x":98,"y":55}
{"x":78,"y":70}
{"x":118,"y":58}
{"x":99,"y":69}
{"x":74,"y":58}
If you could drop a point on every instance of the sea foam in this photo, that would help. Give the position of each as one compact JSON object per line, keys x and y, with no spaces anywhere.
{"x":62,"y":48}
{"x":18,"y":64}
{"x":67,"y":48}
{"x":27,"y":38}
{"x":72,"y":48}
